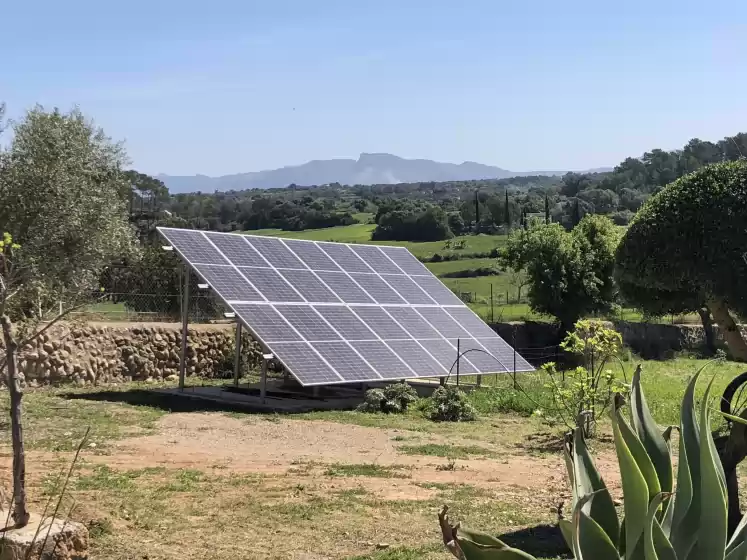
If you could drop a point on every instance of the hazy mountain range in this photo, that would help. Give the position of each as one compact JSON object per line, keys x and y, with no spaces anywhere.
{"x":368,"y":169}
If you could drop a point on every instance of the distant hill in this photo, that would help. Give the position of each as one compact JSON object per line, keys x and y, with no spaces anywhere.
{"x":368,"y":169}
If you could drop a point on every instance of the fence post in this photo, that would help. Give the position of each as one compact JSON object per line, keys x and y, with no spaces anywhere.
{"x":185,"y":322}
{"x":492,"y":311}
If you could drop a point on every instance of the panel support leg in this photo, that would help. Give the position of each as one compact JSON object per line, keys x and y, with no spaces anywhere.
{"x":442,"y":381}
{"x":185,"y":323}
{"x":263,"y":382}
{"x":479,"y":380}
{"x":237,"y":357}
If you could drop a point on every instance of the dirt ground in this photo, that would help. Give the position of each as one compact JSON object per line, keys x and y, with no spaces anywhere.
{"x":208,"y":481}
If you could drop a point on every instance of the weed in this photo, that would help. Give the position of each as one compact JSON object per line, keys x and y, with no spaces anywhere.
{"x":366,"y":469}
{"x":443,"y":450}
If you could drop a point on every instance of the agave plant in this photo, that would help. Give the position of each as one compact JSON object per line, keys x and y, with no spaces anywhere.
{"x":660,"y":521}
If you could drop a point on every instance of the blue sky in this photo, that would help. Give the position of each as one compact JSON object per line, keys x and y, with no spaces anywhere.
{"x":230,"y":86}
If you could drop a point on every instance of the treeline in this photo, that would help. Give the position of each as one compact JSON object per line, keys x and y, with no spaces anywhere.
{"x":433,"y":211}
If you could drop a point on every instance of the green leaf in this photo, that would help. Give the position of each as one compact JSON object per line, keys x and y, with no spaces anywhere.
{"x":738,"y":553}
{"x":640,"y":456}
{"x":476,"y":551}
{"x":480,"y":537}
{"x":713,"y":516}
{"x":687,"y":500}
{"x":634,"y":486}
{"x":566,"y":529}
{"x":656,"y":544}
{"x":589,"y":482}
{"x":593,"y":541}
{"x":739,"y":535}
{"x":649,"y":434}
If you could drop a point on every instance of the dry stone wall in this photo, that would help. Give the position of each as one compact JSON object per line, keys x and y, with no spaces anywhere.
{"x":94,"y":353}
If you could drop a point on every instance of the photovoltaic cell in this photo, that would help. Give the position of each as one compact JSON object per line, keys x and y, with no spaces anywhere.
{"x":271,"y":284}
{"x":347,"y":362}
{"x":305,"y":364}
{"x":307,"y":322}
{"x":312,"y":255}
{"x":275,"y":252}
{"x":471,"y":322}
{"x":309,"y":286}
{"x":476,"y":354}
{"x":336,"y":313}
{"x":434,"y":288}
{"x":381,"y":323}
{"x":347,"y":290}
{"x":266,"y":322}
{"x":377,"y":288}
{"x":505,"y":353}
{"x":345,"y":257}
{"x":417,"y":358}
{"x":408,"y":289}
{"x":413,"y":323}
{"x":194,"y":246}
{"x":446,"y":355}
{"x":376,"y":259}
{"x":442,"y":322}
{"x":227,"y":282}
{"x":345,"y":321}
{"x":236,"y":249}
{"x":383,"y":360}
{"x":406,"y":261}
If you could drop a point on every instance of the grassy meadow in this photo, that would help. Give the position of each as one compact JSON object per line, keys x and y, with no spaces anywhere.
{"x":156,"y":479}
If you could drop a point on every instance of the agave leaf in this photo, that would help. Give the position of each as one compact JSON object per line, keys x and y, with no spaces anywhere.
{"x":480,"y":537}
{"x":589,"y":482}
{"x":648,"y":432}
{"x":566,"y":529}
{"x":739,"y":535}
{"x":656,"y":544}
{"x":738,"y":553}
{"x":688,"y":499}
{"x":641,"y":456}
{"x":713,"y":524}
{"x":567,"y":449}
{"x":593,"y":541}
{"x":634,"y":486}
{"x":476,"y":551}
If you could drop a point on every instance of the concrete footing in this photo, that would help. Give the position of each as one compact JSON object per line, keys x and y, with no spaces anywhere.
{"x":56,"y":540}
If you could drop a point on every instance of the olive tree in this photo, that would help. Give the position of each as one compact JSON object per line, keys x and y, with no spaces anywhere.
{"x":570,"y":274}
{"x":61,"y":180}
{"x":62,"y":221}
{"x":689,"y":241}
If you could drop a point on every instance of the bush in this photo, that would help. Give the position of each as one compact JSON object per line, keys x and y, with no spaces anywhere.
{"x":622,"y":218}
{"x":450,"y":404}
{"x":394,"y":398}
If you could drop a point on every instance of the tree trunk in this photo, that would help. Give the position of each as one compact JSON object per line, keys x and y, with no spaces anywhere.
{"x":737,"y":344}
{"x":710,"y":336}
{"x":20,"y":513}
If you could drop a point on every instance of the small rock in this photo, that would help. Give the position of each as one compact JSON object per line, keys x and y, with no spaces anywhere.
{"x":382,"y":546}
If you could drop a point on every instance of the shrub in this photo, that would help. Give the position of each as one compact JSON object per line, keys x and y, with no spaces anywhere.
{"x":450,"y":404}
{"x":661,"y":520}
{"x":585,"y":393}
{"x":394,"y":398}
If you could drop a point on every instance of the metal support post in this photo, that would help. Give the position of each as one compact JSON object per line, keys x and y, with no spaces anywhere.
{"x":185,"y":323}
{"x":459,"y":355}
{"x":263,"y":381}
{"x":237,"y":357}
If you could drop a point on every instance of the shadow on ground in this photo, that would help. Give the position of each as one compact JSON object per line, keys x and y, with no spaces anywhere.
{"x":540,"y":541}
{"x":163,"y":401}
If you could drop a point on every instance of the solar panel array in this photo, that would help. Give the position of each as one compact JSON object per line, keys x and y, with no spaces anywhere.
{"x":335,"y":312}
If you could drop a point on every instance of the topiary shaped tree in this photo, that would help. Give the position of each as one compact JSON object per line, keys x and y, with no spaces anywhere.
{"x":690,"y":239}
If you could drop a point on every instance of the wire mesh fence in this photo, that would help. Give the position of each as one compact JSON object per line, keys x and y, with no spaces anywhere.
{"x":152,"y":295}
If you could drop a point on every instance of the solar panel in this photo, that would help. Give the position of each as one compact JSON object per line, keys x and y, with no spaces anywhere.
{"x":336,"y":313}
